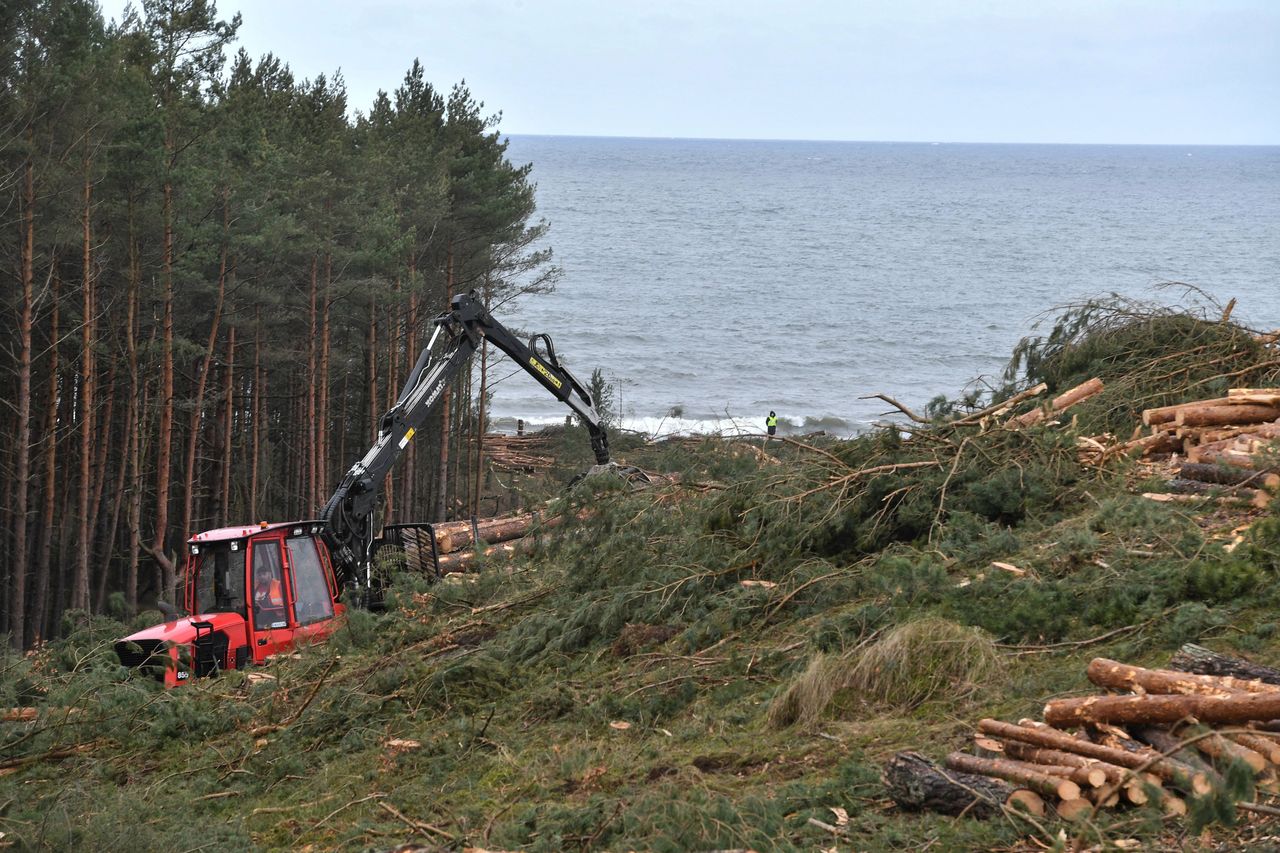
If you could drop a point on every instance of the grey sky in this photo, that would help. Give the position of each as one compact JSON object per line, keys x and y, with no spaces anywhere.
{"x":1128,"y":71}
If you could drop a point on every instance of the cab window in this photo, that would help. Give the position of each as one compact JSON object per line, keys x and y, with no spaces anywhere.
{"x":312,"y":601}
{"x":269,"y":602}
{"x":219,"y":577}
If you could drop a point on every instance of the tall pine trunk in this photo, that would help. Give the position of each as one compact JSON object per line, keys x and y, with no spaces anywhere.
{"x":80,"y":583}
{"x":393,"y":387}
{"x":22,"y":466}
{"x":228,"y":424}
{"x":165,"y":579}
{"x":258,"y":409}
{"x":324,"y":420}
{"x":44,"y":556}
{"x":134,"y":437}
{"x":442,"y":477}
{"x":312,"y":466}
{"x":411,"y":341}
{"x":202,"y":380}
{"x":108,"y":546}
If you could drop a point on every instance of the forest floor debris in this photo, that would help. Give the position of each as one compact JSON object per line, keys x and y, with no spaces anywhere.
{"x":731,"y":667}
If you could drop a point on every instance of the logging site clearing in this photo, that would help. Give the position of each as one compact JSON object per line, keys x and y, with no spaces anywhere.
{"x":1039,"y":616}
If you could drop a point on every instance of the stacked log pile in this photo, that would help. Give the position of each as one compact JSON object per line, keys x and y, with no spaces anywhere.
{"x":518,"y":452}
{"x":502,"y":537}
{"x":1233,"y":430}
{"x":1223,"y":449}
{"x":1157,"y":738}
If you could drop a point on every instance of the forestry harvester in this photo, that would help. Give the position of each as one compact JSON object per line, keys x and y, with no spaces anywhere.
{"x":258,"y":590}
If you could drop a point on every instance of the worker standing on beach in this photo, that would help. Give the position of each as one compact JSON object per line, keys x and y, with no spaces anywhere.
{"x":771,"y":423}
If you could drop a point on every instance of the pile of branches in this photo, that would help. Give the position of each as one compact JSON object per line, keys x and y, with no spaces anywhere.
{"x":1207,"y":730}
{"x":1148,"y":354}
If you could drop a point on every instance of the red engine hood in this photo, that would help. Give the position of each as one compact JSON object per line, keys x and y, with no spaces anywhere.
{"x":181,"y":631}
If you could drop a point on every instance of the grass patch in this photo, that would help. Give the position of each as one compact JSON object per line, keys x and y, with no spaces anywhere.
{"x":911,"y":664}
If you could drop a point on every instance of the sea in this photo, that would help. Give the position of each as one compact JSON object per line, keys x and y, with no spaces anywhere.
{"x":712,"y":281}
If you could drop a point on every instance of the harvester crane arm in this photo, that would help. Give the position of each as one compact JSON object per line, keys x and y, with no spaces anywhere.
{"x":348,"y":514}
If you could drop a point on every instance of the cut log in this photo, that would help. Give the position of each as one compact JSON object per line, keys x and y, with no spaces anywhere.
{"x":1258,"y":742}
{"x":1013,"y":771}
{"x":1104,"y":798}
{"x":1172,"y":746}
{"x":1085,"y":777}
{"x":16,"y":715}
{"x":915,"y":783}
{"x":1232,"y":393}
{"x":1257,"y":397}
{"x":1197,"y":659}
{"x":455,"y":535}
{"x":1074,"y":809}
{"x":988,"y":747}
{"x":1221,"y":415}
{"x":1122,"y":676}
{"x":1041,"y":755}
{"x":1062,"y":402}
{"x":1222,"y":456}
{"x":1209,"y":435}
{"x":1223,"y":750}
{"x":1172,"y":805}
{"x":1148,"y":445}
{"x":1228,"y":475}
{"x":1166,"y":498}
{"x":1168,"y":771}
{"x":1157,"y":710}
{"x":1169,"y":414}
{"x":1182,"y":486}
{"x":997,"y":409}
{"x":1078,"y":394}
{"x":465,"y":561}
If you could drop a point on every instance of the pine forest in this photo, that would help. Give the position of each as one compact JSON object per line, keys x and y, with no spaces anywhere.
{"x":216,"y":277}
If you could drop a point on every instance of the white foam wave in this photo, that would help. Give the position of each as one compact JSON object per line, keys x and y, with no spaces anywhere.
{"x":657,"y":427}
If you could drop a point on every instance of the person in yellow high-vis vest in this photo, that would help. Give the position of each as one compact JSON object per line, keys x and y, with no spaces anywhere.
{"x":771,"y":422}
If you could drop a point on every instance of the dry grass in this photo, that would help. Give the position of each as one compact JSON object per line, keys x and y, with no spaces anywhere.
{"x":911,"y":664}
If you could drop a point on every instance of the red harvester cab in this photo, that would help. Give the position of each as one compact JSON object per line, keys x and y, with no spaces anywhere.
{"x":253,"y":592}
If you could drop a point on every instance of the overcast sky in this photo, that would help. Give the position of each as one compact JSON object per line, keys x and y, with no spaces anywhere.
{"x":1127,"y":71}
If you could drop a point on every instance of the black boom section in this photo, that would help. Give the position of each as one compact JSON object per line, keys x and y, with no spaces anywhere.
{"x":348,"y":514}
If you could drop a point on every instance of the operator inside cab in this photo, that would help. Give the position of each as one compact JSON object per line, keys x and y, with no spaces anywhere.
{"x":268,"y":592}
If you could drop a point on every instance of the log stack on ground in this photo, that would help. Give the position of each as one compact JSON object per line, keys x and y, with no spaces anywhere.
{"x":1158,"y":737}
{"x":460,"y":545}
{"x":1234,"y":431}
{"x":518,"y":452}
{"x":1225,"y":448}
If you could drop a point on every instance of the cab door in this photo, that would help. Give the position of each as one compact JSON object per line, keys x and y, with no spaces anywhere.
{"x":309,"y":588}
{"x":271,"y":606}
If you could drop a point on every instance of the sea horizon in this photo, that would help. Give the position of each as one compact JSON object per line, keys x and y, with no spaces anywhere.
{"x":506,"y":135}
{"x":712,"y":281}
